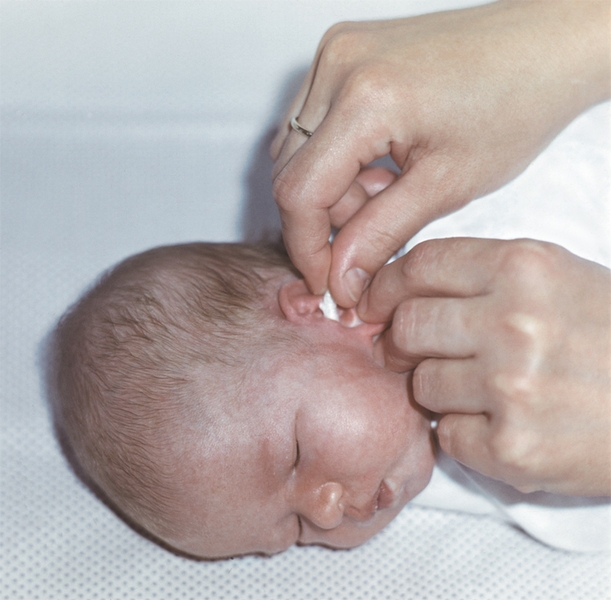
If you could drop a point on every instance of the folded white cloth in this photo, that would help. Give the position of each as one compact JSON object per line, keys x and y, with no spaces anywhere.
{"x":569,"y":523}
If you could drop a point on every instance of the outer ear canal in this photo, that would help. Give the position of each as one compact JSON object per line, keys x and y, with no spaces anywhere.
{"x":297,"y":303}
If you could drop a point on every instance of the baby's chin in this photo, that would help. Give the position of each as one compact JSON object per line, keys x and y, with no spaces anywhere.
{"x":351,"y":534}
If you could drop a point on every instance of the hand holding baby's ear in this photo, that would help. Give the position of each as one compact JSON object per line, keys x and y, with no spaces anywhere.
{"x":432,"y":92}
{"x":511,"y":342}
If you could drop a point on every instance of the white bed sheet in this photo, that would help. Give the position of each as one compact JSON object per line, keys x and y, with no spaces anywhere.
{"x":127,"y":125}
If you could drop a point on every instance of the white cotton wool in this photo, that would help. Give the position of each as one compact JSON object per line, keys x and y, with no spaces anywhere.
{"x":329,"y":307}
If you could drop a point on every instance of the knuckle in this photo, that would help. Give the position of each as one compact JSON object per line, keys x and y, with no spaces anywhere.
{"x":513,"y":450}
{"x":342,"y":44}
{"x":526,"y":337}
{"x":518,"y":398}
{"x":524,"y":325}
{"x":524,"y":322}
{"x":517,"y":388}
{"x":370,"y":86}
{"x":526,"y":340}
{"x":417,"y":262}
{"x":335,"y":30}
{"x":530,"y":261}
{"x":351,"y":55}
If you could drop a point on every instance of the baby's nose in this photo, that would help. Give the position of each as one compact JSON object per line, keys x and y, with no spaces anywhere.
{"x":324,"y":506}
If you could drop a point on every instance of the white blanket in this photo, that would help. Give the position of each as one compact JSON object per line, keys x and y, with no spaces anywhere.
{"x":568,"y":523}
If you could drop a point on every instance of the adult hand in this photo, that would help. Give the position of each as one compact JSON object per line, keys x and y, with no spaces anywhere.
{"x":510,"y":341}
{"x":461,"y":100}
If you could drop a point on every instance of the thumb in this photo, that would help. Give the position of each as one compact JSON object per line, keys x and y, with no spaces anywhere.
{"x":375,"y":179}
{"x":384,"y":224}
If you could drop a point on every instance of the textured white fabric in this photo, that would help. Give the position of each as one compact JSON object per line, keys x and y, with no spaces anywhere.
{"x":127,"y":125}
{"x":568,"y":523}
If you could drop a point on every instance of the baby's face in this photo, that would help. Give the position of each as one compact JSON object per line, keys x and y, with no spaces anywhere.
{"x":326,"y":448}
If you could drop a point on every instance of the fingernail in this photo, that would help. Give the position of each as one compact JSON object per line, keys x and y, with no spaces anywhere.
{"x":355,"y":281}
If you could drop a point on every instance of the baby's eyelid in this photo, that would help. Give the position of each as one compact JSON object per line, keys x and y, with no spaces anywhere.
{"x":297,"y":454}
{"x":300,"y":530}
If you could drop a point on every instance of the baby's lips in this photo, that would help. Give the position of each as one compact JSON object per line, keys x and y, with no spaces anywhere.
{"x":386,"y":497}
{"x":383,"y":498}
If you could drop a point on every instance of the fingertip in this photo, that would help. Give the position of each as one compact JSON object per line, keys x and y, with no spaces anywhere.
{"x":376,"y":179}
{"x":387,"y":355}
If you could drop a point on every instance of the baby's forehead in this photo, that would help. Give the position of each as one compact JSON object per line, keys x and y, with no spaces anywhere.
{"x":235,"y":402}
{"x":265,"y":403}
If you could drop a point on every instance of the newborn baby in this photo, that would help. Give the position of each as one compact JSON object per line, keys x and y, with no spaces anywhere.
{"x":204,"y":393}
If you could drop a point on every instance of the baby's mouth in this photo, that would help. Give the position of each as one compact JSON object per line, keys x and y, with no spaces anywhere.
{"x":384,"y":498}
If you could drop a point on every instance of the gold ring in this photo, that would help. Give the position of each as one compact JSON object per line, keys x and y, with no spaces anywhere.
{"x":299,"y":128}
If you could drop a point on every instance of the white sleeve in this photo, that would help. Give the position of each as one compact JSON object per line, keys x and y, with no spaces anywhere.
{"x":569,"y":523}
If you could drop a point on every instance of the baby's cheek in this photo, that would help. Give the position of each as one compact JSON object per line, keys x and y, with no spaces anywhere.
{"x":423,"y":460}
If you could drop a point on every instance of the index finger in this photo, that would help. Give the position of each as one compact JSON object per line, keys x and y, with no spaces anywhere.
{"x":315,"y":178}
{"x":451,"y":267}
{"x":306,"y":232}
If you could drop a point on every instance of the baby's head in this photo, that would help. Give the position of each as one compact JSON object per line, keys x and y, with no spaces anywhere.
{"x":203,"y":391}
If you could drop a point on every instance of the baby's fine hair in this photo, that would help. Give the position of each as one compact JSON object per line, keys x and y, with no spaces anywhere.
{"x":128,"y":354}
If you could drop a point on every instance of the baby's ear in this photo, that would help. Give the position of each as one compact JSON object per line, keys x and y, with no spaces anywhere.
{"x":301,"y":307}
{"x":297,"y":303}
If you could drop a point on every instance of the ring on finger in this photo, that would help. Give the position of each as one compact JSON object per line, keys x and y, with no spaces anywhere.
{"x":300,"y":128}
